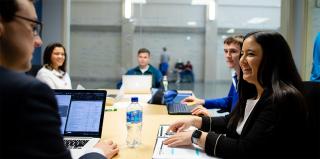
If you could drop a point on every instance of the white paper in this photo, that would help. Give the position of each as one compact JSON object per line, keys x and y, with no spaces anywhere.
{"x":162,"y":151}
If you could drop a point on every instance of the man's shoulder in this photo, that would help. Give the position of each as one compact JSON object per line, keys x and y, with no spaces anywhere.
{"x":133,"y":71}
{"x":11,"y":80}
{"x":9,"y":76}
{"x":154,"y":70}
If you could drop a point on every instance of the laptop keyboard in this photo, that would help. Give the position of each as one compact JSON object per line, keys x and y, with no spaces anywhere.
{"x":75,"y":144}
{"x":178,"y":107}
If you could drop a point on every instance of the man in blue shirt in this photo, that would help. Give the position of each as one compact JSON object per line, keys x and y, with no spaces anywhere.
{"x":232,"y":48}
{"x":145,"y":68}
{"x":315,"y":73}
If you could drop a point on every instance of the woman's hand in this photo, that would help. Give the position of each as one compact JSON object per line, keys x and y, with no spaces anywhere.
{"x":180,"y":125}
{"x":179,"y":139}
{"x":200,"y":110}
{"x":184,"y":124}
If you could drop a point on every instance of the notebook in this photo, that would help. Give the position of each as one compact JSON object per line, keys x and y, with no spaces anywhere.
{"x":136,"y":84}
{"x":177,"y":108}
{"x":162,"y":151}
{"x":81,"y":113}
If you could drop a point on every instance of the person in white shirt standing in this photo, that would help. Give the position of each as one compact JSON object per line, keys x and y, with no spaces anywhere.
{"x":53,"y":72}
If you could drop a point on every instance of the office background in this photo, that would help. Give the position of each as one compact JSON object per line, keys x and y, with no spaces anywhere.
{"x":102,"y":38}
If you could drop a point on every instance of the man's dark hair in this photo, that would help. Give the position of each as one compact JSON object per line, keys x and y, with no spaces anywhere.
{"x":48,"y":53}
{"x":143,"y":50}
{"x":8,"y":9}
{"x":236,"y":39}
{"x":164,"y":49}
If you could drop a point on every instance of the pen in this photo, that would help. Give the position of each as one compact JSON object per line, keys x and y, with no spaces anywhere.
{"x":110,"y":110}
{"x":170,"y":133}
{"x":161,"y":127}
{"x":161,"y":148}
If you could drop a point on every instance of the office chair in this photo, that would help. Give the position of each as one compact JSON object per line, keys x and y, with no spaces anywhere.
{"x":312,"y":96}
{"x":34,"y":70}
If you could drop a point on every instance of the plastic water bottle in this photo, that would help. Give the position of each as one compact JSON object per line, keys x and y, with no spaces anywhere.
{"x":134,"y":123}
{"x":165,"y":83}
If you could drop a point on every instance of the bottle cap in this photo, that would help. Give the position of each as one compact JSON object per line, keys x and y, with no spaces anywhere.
{"x":134,"y":99}
{"x":164,"y":77}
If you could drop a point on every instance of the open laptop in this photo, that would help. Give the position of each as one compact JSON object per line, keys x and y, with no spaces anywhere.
{"x":175,"y":107}
{"x":136,"y":84}
{"x":81,"y":113}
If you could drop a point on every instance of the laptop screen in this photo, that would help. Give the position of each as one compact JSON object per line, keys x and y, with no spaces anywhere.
{"x":181,"y":96}
{"x":81,"y":112}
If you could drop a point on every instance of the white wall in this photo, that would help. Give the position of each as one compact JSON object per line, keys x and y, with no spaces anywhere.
{"x":95,"y":54}
{"x":93,"y":12}
{"x":169,"y":15}
{"x":235,"y":14}
{"x":178,"y":45}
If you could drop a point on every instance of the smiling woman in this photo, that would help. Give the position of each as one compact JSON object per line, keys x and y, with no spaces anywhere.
{"x":251,"y":56}
{"x":53,"y":72}
{"x":271,"y":112}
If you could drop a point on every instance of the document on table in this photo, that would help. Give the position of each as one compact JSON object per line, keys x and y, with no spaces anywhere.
{"x":162,"y":151}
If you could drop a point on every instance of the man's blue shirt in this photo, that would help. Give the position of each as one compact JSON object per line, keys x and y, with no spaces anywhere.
{"x":227,"y":103}
{"x":315,"y":73}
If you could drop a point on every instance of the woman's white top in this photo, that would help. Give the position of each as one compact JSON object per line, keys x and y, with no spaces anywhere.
{"x":55,"y":79}
{"x":249,"y":107}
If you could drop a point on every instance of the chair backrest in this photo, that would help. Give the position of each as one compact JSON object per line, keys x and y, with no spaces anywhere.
{"x":34,"y":70}
{"x":312,"y":96}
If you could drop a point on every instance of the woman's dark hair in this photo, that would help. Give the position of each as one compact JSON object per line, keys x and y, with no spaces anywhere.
{"x":277,"y":73}
{"x":48,"y":52}
{"x":8,"y":9}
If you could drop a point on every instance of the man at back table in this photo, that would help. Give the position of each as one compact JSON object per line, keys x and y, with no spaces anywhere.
{"x":144,"y":68}
{"x":29,"y":119}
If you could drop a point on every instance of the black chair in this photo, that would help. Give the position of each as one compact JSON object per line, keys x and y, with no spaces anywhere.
{"x":312,"y":96}
{"x":34,"y":70}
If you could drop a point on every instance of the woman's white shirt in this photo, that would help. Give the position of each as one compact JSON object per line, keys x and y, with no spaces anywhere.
{"x":55,"y":79}
{"x":249,"y":107}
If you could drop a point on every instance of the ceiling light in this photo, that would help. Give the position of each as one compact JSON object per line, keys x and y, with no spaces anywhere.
{"x":200,"y":2}
{"x":139,"y":1}
{"x":127,"y":9}
{"x":224,"y":36}
{"x":258,"y":20}
{"x":192,"y":23}
{"x":230,"y":31}
{"x":212,"y":10}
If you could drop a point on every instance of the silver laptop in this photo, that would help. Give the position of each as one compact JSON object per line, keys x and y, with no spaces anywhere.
{"x":136,"y":84}
{"x":81,"y":113}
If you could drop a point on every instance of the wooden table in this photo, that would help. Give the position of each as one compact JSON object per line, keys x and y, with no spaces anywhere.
{"x":114,"y":128}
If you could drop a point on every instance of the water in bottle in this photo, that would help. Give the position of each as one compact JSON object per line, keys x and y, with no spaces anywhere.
{"x":165,"y":83}
{"x":134,"y":123}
